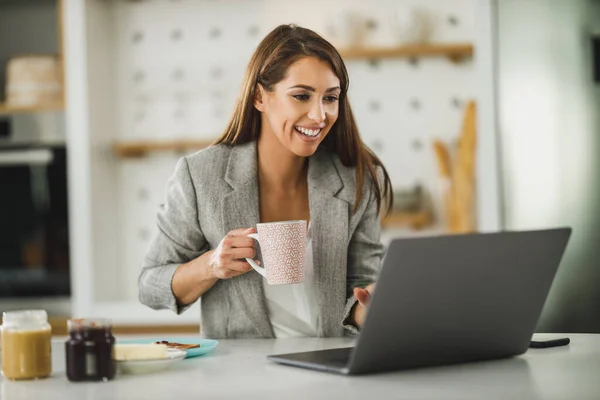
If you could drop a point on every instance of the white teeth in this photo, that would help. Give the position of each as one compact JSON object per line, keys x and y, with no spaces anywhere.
{"x":308,"y":132}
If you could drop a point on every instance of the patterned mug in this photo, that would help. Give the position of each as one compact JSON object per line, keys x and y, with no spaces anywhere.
{"x":283,"y":248}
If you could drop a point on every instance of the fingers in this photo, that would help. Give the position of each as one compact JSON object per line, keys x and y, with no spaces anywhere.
{"x":230,"y":242}
{"x":242,"y":232}
{"x":246,"y":252}
{"x":362,"y":295}
{"x":238,"y":238}
{"x":230,"y":256}
{"x":239,"y":266}
{"x":235,"y":247}
{"x":233,"y":269}
{"x":228,"y":259}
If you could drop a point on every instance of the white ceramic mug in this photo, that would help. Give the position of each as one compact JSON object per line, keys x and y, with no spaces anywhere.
{"x":283,"y":248}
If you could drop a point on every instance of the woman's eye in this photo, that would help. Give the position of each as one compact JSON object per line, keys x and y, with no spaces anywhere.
{"x":331,"y":99}
{"x":301,"y":97}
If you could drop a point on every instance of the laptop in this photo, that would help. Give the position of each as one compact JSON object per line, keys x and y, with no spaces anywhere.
{"x":449,"y":299}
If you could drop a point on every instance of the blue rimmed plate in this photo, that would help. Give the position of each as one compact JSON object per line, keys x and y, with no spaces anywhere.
{"x":206,"y":345}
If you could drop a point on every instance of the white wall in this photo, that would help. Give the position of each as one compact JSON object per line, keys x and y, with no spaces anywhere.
{"x":211,"y":54}
{"x":163,"y":69}
{"x":550,"y":132}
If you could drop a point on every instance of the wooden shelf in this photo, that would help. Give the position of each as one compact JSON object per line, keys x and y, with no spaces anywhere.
{"x":416,"y":220}
{"x":6,"y":109}
{"x":141,"y":148}
{"x":455,"y":52}
{"x":59,"y":328}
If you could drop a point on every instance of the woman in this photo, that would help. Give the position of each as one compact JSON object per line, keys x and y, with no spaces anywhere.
{"x":290,"y":152}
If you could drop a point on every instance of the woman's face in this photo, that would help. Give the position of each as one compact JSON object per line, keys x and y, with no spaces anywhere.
{"x":302,"y":107}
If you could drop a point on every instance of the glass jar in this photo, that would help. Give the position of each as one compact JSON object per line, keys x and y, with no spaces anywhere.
{"x":89,"y":350}
{"x":26,"y":345}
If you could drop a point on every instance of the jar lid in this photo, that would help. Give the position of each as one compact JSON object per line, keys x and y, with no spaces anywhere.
{"x":87,"y":323}
{"x":25,"y":317}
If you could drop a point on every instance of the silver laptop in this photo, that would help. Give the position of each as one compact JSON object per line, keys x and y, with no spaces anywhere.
{"x":450,"y":299}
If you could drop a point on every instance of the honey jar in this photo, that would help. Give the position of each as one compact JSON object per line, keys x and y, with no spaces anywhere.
{"x":26,"y":345}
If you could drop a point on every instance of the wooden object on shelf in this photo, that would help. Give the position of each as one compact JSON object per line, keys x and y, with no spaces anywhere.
{"x":141,"y":148}
{"x":33,"y":80}
{"x":455,"y":52}
{"x":464,"y":172}
{"x":415,"y":220}
{"x":458,"y":177}
{"x":7,"y":109}
{"x":445,"y":170}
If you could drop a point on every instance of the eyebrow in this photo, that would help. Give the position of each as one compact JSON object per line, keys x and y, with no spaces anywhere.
{"x":312,"y":89}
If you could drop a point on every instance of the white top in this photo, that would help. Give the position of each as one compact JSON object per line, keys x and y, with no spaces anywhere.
{"x":293,"y":308}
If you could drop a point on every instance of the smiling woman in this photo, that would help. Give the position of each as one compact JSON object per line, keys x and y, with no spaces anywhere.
{"x":291,"y":151}
{"x":299,"y":116}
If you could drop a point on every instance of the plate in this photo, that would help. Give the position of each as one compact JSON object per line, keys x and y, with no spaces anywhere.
{"x":206,"y":345}
{"x":150,"y":366}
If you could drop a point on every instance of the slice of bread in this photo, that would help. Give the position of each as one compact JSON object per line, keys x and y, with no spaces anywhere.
{"x":135,"y":352}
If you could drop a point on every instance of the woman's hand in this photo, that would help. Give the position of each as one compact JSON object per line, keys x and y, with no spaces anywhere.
{"x":228,"y":259}
{"x":364,"y":297}
{"x":191,"y":280}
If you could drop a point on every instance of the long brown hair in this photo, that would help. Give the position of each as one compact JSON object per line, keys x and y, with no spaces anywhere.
{"x":282,"y":47}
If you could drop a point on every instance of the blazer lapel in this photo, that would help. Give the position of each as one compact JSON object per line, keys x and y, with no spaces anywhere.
{"x":329,"y":224}
{"x":241,"y":210}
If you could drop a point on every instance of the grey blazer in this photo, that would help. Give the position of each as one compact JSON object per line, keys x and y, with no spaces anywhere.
{"x":215,"y":191}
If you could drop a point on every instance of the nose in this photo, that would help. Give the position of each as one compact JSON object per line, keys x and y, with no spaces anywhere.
{"x":317,"y":112}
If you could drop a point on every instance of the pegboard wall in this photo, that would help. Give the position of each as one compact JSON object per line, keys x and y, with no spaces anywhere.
{"x":179,"y":66}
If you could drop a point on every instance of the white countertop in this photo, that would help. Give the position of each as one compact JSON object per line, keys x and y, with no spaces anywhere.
{"x":239,"y":369}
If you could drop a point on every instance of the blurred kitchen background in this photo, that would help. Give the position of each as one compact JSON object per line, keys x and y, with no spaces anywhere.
{"x":485,"y":112}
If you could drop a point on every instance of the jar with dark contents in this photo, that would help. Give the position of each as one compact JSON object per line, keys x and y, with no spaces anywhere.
{"x":89,"y":350}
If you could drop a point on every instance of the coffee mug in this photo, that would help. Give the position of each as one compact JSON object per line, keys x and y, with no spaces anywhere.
{"x":283,"y":248}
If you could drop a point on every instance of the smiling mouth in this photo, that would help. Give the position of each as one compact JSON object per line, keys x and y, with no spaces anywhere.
{"x":308,"y":132}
